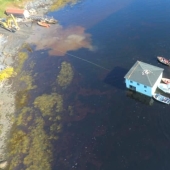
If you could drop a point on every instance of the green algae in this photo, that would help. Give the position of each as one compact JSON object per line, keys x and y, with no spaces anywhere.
{"x":48,"y":103}
{"x":24,"y":80}
{"x":31,"y":149}
{"x":39,"y":155}
{"x":28,"y":80}
{"x":25,"y":117}
{"x":27,"y":47}
{"x":65,"y":75}
{"x":22,"y":98}
{"x":29,"y":145}
{"x":22,"y":57}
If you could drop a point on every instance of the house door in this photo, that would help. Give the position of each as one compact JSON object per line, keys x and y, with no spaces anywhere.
{"x":132,"y":87}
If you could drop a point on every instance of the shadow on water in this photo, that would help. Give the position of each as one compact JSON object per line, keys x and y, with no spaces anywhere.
{"x":116,"y":78}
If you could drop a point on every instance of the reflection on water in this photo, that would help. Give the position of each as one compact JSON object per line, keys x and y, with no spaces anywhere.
{"x":90,"y":13}
{"x":140,"y":97}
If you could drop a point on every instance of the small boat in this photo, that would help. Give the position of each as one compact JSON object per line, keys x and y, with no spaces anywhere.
{"x":51,"y":21}
{"x":43,"y":24}
{"x":161,"y":98}
{"x":165,"y":80}
{"x":164,"y":87}
{"x":163,"y":60}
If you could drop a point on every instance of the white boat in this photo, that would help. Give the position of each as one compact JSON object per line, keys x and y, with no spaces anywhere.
{"x":161,"y":98}
{"x":164,"y":87}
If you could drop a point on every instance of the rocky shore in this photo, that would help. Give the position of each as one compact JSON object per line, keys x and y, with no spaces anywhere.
{"x":10,"y":45}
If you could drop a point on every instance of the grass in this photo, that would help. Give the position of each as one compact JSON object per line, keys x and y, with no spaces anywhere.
{"x":9,"y":3}
{"x":4,"y":4}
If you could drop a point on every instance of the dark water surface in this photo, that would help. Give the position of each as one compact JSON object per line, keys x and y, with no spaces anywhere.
{"x":111,"y":129}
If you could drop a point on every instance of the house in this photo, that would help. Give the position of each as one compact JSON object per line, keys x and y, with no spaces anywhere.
{"x":143,"y":78}
{"x":16,"y":12}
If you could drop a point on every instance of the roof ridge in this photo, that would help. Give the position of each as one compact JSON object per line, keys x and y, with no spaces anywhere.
{"x":133,"y":70}
{"x":148,"y":77}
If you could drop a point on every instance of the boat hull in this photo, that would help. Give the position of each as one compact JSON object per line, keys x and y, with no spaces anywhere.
{"x":43,"y":24}
{"x":164,"y":87}
{"x":163,"y":60}
{"x":161,"y":98}
{"x":51,"y":21}
{"x":165,"y":80}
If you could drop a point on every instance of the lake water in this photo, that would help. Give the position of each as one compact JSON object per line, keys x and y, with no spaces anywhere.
{"x":111,"y":128}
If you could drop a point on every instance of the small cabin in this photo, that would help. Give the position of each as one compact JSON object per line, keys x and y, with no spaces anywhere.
{"x":16,"y":12}
{"x":143,"y":78}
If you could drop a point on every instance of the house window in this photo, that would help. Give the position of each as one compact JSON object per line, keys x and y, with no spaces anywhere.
{"x":138,"y":84}
{"x":131,"y":81}
{"x":145,"y":86}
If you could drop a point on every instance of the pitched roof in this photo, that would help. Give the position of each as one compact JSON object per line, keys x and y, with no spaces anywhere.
{"x":14,"y":11}
{"x":144,"y":73}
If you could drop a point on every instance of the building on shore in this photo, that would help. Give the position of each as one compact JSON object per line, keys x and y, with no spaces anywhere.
{"x":16,"y":12}
{"x":143,"y":78}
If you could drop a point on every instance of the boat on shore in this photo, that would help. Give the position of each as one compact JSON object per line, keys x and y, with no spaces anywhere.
{"x":161,"y":98}
{"x":43,"y":24}
{"x":165,"y":80}
{"x":163,"y":60}
{"x":164,"y":87}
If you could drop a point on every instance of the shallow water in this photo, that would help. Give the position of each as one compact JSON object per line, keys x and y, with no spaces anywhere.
{"x":111,"y":128}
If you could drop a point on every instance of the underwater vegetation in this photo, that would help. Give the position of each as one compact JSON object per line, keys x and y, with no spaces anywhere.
{"x":28,"y":80}
{"x":48,"y":103}
{"x":24,"y":81}
{"x":37,"y":123}
{"x":21,"y":98}
{"x":29,"y":147}
{"x":65,"y":75}
{"x":21,"y":58}
{"x":27,"y":47}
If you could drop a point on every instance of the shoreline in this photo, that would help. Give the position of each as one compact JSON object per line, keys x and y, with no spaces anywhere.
{"x":12,"y":42}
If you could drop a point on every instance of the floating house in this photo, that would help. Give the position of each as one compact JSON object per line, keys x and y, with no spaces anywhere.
{"x":19,"y":13}
{"x":143,"y":78}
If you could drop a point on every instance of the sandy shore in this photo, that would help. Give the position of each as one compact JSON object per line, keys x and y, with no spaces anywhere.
{"x":10,"y":44}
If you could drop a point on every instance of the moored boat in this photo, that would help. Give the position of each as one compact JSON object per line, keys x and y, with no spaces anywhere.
{"x":163,"y":60}
{"x":165,"y":80}
{"x":51,"y":21}
{"x":161,"y":98}
{"x":164,"y":87}
{"x":43,"y":24}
